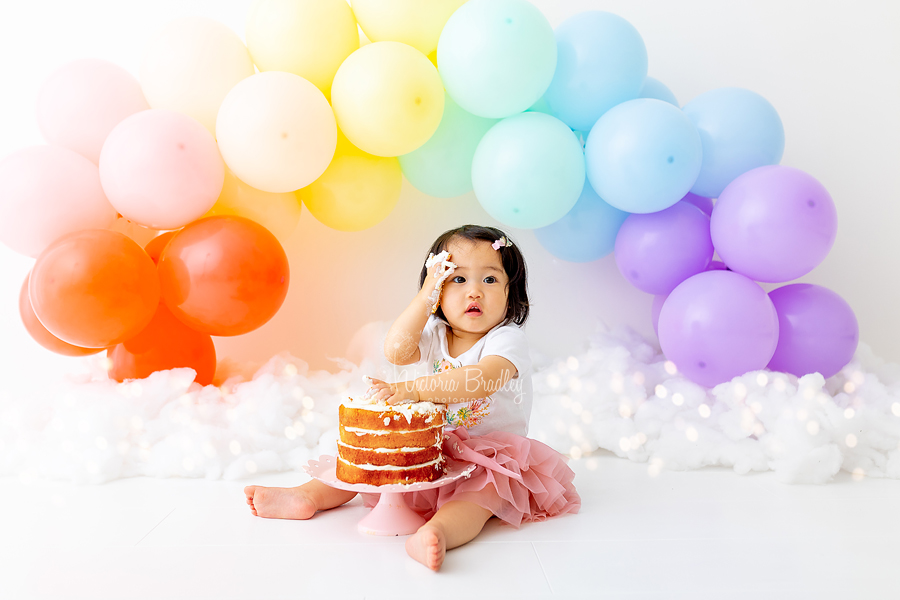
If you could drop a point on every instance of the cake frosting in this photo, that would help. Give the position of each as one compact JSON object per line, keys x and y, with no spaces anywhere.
{"x":383,"y":444}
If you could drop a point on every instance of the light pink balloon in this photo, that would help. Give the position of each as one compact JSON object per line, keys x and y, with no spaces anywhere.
{"x":82,"y":101}
{"x":47,"y":192}
{"x":161,"y":169}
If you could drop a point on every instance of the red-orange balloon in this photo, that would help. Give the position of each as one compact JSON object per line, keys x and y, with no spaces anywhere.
{"x":40,"y":334}
{"x":223,"y":275}
{"x":166,"y":343}
{"x":155,"y":246}
{"x":94,"y":288}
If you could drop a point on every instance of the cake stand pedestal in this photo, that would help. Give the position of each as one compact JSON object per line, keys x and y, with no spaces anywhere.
{"x":391,"y":515}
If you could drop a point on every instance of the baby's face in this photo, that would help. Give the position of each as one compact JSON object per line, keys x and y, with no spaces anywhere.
{"x":474,"y":296}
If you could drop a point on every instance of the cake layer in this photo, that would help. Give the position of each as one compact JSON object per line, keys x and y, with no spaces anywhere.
{"x":400,"y":457}
{"x":373,"y":438}
{"x":392,"y":418}
{"x":387,"y":475}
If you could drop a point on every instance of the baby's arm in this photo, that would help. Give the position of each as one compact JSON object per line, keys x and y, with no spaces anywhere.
{"x":401,"y":346}
{"x":457,"y":385}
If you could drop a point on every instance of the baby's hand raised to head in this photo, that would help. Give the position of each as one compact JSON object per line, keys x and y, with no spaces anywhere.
{"x":439,"y":269}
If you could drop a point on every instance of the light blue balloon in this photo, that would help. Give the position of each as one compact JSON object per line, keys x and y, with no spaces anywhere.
{"x":740,"y":131}
{"x":654,"y":88}
{"x":643,"y":155}
{"x":602,"y":61}
{"x":496,"y":57}
{"x":585,"y":233}
{"x":528,"y":170}
{"x":442,"y":166}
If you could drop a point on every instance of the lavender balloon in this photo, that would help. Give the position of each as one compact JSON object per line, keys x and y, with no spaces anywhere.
{"x":718,"y":325}
{"x":818,"y":332}
{"x":655,"y":308}
{"x":774,"y":224}
{"x":657,"y":251}
{"x":703,"y":203}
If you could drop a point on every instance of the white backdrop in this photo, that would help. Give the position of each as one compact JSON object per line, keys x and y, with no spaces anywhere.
{"x":830,"y":68}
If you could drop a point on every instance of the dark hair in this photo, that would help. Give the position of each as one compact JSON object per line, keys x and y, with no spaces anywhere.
{"x":513,"y":265}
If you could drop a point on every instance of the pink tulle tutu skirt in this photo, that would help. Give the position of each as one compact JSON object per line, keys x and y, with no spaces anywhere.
{"x":517,"y":479}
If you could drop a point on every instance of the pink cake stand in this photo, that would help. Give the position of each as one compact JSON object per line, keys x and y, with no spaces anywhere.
{"x":391,"y":515}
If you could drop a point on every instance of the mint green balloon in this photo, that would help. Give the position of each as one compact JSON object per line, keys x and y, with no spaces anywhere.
{"x":442,"y":167}
{"x":528,"y":170}
{"x":496,"y":57}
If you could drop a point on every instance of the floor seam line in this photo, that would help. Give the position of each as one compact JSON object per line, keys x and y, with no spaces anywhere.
{"x":138,"y":543}
{"x":543,"y":572}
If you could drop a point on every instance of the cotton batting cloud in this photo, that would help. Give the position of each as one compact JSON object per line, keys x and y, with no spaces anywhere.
{"x":620,"y":395}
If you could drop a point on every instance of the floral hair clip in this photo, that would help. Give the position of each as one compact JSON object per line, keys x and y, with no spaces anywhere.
{"x":502,"y":242}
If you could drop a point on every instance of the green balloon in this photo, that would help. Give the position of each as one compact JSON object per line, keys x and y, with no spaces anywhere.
{"x":528,"y":170}
{"x":442,"y":166}
{"x":497,"y":57}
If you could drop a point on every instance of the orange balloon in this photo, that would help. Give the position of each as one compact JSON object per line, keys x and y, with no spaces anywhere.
{"x":155,"y":246}
{"x":40,"y":334}
{"x":94,"y":288}
{"x":166,"y":343}
{"x":224,"y":275}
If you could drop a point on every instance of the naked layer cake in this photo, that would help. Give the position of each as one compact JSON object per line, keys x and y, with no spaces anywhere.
{"x":382,"y":444}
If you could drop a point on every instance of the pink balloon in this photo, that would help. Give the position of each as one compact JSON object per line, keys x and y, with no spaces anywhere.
{"x":47,"y":192}
{"x":81,"y":102}
{"x":161,"y":169}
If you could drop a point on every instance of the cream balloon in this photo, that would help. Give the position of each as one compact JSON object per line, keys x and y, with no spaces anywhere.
{"x":191,"y":64}
{"x":276,"y":131}
{"x":279,"y":213}
{"x":82,"y":101}
{"x":388,"y":98}
{"x":412,"y":22}
{"x":310,"y":38}
{"x":47,"y":192}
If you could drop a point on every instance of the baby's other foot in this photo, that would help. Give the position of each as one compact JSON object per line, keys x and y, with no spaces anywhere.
{"x":279,"y":503}
{"x":427,"y":546}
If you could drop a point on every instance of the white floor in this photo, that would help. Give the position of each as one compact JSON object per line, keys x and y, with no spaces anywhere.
{"x":707,"y":534}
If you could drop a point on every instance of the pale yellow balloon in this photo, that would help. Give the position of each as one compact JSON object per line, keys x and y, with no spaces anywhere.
{"x":279,"y":213}
{"x":388,"y":98}
{"x":276,"y":132}
{"x":310,"y":38}
{"x":190,"y":66}
{"x":414,"y":22}
{"x":357,"y":191}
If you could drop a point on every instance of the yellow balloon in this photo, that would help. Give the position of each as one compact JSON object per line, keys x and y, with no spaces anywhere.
{"x":310,"y":38}
{"x":414,"y":22}
{"x":190,"y":65}
{"x":356,"y":191}
{"x":388,"y":98}
{"x":279,"y":213}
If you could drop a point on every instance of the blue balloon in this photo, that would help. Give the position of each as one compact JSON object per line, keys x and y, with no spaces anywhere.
{"x":585,"y":233}
{"x":528,"y":170}
{"x":643,"y":155}
{"x":654,"y":88}
{"x":740,"y":131}
{"x":601,"y":62}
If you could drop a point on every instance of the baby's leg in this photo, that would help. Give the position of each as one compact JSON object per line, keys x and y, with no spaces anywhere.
{"x":455,"y":524}
{"x":300,"y":502}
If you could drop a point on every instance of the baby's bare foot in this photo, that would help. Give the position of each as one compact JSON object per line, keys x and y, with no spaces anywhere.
{"x":279,"y":503}
{"x":427,"y":546}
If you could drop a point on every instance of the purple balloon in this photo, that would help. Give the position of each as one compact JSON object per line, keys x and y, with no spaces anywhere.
{"x":774,"y":224}
{"x":657,"y":251}
{"x":657,"y":305}
{"x":718,"y":325}
{"x":702,"y":202}
{"x":717,"y":265}
{"x":818,"y":332}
